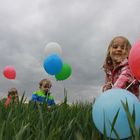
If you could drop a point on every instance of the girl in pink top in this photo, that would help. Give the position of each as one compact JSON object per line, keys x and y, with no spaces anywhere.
{"x":118,"y":74}
{"x":12,"y":97}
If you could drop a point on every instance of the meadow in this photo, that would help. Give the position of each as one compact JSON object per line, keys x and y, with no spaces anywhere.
{"x":61,"y":122}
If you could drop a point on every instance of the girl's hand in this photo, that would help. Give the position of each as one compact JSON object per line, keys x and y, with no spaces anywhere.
{"x":107,"y":86}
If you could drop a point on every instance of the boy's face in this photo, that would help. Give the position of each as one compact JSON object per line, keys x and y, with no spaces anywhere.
{"x":45,"y":87}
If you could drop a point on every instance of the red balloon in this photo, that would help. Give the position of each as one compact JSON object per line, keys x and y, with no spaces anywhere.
{"x":134,"y":59}
{"x":9,"y":72}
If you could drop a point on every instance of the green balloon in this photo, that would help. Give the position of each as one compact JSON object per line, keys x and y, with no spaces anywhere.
{"x":64,"y":73}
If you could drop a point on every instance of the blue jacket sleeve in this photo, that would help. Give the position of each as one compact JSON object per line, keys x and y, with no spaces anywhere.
{"x":50,"y":102}
{"x":34,"y":97}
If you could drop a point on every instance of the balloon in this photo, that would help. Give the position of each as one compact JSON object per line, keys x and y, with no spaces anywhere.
{"x":53,"y":64}
{"x":64,"y":73}
{"x":105,"y":108}
{"x":9,"y":72}
{"x":52,"y":48}
{"x":134,"y":60}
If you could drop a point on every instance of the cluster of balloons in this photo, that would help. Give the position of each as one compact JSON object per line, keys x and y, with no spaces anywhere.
{"x":53,"y":63}
{"x":134,"y":59}
{"x":9,"y":72}
{"x":106,"y":107}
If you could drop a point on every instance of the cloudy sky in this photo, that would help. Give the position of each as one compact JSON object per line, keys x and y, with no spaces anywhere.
{"x":83,"y":28}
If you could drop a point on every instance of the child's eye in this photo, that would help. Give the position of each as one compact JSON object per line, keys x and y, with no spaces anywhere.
{"x":122,"y":47}
{"x":46,"y":86}
{"x":117,"y":46}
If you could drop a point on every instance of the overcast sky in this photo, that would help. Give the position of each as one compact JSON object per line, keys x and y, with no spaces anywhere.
{"x":83,"y":28}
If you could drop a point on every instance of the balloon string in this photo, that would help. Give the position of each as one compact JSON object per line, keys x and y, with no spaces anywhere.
{"x":130,"y":84}
{"x":63,"y":86}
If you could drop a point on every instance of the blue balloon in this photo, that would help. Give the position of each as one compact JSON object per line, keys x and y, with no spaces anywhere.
{"x":105,"y":108}
{"x":53,"y":64}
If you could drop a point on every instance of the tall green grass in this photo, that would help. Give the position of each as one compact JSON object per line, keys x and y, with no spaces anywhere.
{"x":61,"y":122}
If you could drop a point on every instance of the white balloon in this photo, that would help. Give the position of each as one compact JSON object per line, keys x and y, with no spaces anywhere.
{"x":53,"y":48}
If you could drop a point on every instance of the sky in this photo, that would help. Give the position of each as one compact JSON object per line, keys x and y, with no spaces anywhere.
{"x":83,"y":29}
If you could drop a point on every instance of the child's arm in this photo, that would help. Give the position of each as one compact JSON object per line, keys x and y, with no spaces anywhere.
{"x":50,"y":100}
{"x":124,"y":79}
{"x":108,"y":83}
{"x":34,"y":97}
{"x":8,"y":100}
{"x":107,"y":86}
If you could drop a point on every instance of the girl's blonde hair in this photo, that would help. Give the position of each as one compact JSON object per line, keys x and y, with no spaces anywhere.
{"x":108,"y":64}
{"x":12,"y":92}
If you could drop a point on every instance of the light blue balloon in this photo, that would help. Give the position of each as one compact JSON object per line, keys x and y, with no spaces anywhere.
{"x":53,"y":64}
{"x":106,"y":106}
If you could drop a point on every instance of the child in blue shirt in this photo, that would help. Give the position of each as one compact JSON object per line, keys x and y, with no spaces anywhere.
{"x":43,"y":94}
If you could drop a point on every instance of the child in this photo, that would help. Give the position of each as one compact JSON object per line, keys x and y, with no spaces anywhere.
{"x":118,"y":74}
{"x":43,"y":94}
{"x":12,"y":97}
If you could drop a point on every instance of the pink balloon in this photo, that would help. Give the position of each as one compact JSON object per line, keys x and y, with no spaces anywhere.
{"x":134,"y":59}
{"x":9,"y":72}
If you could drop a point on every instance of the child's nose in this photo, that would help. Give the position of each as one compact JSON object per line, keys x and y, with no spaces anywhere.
{"x":119,"y":48}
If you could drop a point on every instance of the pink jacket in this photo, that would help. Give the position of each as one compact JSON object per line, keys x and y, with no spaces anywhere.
{"x":121,"y":77}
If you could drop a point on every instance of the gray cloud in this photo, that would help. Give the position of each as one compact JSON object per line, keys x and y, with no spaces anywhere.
{"x":82,"y":28}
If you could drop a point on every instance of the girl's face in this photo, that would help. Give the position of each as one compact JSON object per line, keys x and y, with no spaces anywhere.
{"x":14,"y":96}
{"x":118,"y":50}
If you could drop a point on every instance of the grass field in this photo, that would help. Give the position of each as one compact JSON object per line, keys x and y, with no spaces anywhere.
{"x":38,"y":122}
